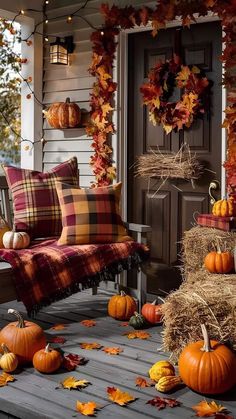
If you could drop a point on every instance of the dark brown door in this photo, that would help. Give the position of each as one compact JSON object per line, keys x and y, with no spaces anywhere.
{"x":170,"y":211}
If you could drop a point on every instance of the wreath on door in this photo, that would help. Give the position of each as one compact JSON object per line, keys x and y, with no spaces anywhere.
{"x":162,"y":80}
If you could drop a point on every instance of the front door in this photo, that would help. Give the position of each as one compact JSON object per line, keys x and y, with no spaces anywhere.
{"x":170,"y":211}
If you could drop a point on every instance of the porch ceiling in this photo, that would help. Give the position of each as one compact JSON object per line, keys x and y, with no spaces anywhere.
{"x":16,"y":5}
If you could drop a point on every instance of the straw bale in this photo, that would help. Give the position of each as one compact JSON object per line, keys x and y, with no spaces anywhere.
{"x":202,"y":298}
{"x":199,"y":241}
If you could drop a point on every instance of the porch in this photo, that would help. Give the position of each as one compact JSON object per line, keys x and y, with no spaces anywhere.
{"x":34,"y":396}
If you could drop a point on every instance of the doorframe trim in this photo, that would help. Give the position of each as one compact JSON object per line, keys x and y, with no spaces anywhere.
{"x":121,"y":77}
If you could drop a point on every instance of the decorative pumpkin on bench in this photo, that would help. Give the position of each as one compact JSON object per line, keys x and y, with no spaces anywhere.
{"x":16,"y":240}
{"x":224,"y":208}
{"x":63,"y":115}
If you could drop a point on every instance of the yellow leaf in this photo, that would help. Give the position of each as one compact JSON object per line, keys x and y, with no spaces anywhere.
{"x":112,"y":351}
{"x":195,"y":70}
{"x":5,"y":378}
{"x":86,"y":409}
{"x":119,"y":397}
{"x":137,"y":335}
{"x":152,"y":118}
{"x":73,"y":383}
{"x":183,"y":74}
{"x":100,"y":123}
{"x":106,"y":108}
{"x":207,"y":409}
{"x":167,"y":128}
{"x":89,"y":346}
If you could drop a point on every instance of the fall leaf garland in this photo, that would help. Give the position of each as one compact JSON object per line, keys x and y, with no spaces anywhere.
{"x":104,"y":48}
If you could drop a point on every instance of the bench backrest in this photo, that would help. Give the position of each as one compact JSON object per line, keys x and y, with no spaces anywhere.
{"x":5,"y":207}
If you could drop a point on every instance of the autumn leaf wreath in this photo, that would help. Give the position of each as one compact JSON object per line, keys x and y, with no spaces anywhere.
{"x":162,"y":79}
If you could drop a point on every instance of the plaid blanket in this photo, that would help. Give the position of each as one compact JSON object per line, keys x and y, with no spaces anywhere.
{"x":46,"y":272}
{"x":222,"y":223}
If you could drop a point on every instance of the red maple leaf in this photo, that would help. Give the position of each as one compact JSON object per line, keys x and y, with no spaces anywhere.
{"x":71,"y":361}
{"x":57,"y":339}
{"x":163,"y":402}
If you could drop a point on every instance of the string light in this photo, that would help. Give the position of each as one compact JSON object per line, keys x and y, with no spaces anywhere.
{"x":46,"y":39}
{"x":22,"y":12}
{"x":46,"y":21}
{"x":47,"y":2}
{"x":69,"y":19}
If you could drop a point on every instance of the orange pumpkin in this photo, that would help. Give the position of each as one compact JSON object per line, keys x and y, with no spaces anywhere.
{"x":152,"y":312}
{"x":47,"y":360}
{"x":63,"y":115}
{"x":23,"y":338}
{"x":208,"y":367}
{"x":219,"y":262}
{"x":121,"y":306}
{"x":224,"y":208}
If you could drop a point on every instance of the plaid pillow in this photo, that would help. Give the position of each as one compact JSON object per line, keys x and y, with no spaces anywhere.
{"x":35,"y":202}
{"x":90,"y":215}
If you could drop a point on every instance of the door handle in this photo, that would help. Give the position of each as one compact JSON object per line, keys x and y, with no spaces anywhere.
{"x":214,"y":185}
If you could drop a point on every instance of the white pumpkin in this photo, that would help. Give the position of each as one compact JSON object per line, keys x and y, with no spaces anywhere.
{"x":15,"y":240}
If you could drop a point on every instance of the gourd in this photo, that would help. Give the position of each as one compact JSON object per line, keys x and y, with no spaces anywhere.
{"x":47,"y":360}
{"x":219,"y":262}
{"x":16,"y":240}
{"x":167,"y":383}
{"x":152,"y":312}
{"x":121,"y":306}
{"x":8,"y":361}
{"x":208,"y":367}
{"x":23,"y":338}
{"x":137,"y":321}
{"x":224,"y":208}
{"x":4,"y":227}
{"x":63,"y":114}
{"x":161,"y":369}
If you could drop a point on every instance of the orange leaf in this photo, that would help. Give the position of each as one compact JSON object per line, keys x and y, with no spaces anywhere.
{"x":207,"y":409}
{"x":86,"y":409}
{"x":112,"y":351}
{"x":118,"y":396}
{"x":142,"y":382}
{"x":137,"y":335}
{"x":88,"y":323}
{"x":58,"y":326}
{"x":89,"y":346}
{"x":106,"y":108}
{"x":5,"y":378}
{"x":72,"y":383}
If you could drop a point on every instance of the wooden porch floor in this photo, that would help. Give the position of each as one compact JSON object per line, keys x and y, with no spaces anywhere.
{"x":33,"y":395}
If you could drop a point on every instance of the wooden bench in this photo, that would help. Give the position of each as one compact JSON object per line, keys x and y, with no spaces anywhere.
{"x":7,"y":289}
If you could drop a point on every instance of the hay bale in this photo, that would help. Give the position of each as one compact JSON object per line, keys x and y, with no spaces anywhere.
{"x":204,"y":298}
{"x":199,"y":241}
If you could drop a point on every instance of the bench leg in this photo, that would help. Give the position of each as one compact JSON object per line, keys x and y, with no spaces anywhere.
{"x":142,"y":288}
{"x":94,"y":290}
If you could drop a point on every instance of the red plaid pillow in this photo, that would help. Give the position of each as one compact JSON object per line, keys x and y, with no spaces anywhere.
{"x":91,"y":215}
{"x":35,"y":202}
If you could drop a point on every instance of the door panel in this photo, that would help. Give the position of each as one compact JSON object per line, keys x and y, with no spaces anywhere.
{"x":170,"y":210}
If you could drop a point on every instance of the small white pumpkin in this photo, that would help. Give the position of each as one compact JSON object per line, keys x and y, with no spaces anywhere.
{"x":16,"y":240}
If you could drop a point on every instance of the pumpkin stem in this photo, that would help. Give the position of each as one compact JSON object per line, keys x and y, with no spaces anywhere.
{"x":218,"y":245}
{"x":207,"y":344}
{"x":5,"y":348}
{"x":136,"y":314}
{"x":154,"y":302}
{"x":67,"y":100}
{"x":122,"y":293}
{"x":21,"y":323}
{"x":47,"y":349}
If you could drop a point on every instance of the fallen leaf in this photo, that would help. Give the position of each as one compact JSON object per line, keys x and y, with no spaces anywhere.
{"x":137,"y":335}
{"x":163,"y":402}
{"x":142,"y":382}
{"x":112,"y":351}
{"x":124,"y":324}
{"x":207,"y":409}
{"x":86,"y":409}
{"x":72,"y":383}
{"x":5,"y":378}
{"x":88,"y":323}
{"x":89,"y":346}
{"x":58,"y":326}
{"x":71,"y":361}
{"x":57,"y":339}
{"x":119,"y":397}
{"x":223,"y":416}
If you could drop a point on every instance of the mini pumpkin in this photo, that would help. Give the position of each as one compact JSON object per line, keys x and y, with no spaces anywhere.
{"x":224,"y":208}
{"x":208,"y":367}
{"x":8,"y":361}
{"x":47,"y":360}
{"x":137,"y":321}
{"x":152,"y":312}
{"x":63,"y":114}
{"x":23,"y":338}
{"x":4,"y":227}
{"x":121,"y":306}
{"x":161,"y":369}
{"x":219,"y":262}
{"x":16,"y":240}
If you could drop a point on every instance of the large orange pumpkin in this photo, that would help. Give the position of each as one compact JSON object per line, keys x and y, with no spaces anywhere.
{"x":23,"y":338}
{"x":152,"y":312}
{"x":121,"y":306}
{"x":47,"y":360}
{"x":208,"y":367}
{"x":219,"y":262}
{"x":63,"y":114}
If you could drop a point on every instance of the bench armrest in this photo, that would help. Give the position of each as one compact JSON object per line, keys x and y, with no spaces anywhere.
{"x":138,"y":228}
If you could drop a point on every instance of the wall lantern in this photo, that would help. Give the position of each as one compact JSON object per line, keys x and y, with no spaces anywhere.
{"x":60,"y":50}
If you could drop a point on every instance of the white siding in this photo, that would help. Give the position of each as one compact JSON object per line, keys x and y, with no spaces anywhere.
{"x":72,"y":81}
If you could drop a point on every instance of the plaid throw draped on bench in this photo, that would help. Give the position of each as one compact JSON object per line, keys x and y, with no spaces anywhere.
{"x":46,"y":272}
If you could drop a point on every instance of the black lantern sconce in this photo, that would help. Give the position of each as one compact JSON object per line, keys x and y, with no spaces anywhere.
{"x":60,"y":50}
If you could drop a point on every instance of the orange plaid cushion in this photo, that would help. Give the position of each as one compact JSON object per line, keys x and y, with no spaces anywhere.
{"x":35,"y":201}
{"x":90,"y":215}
